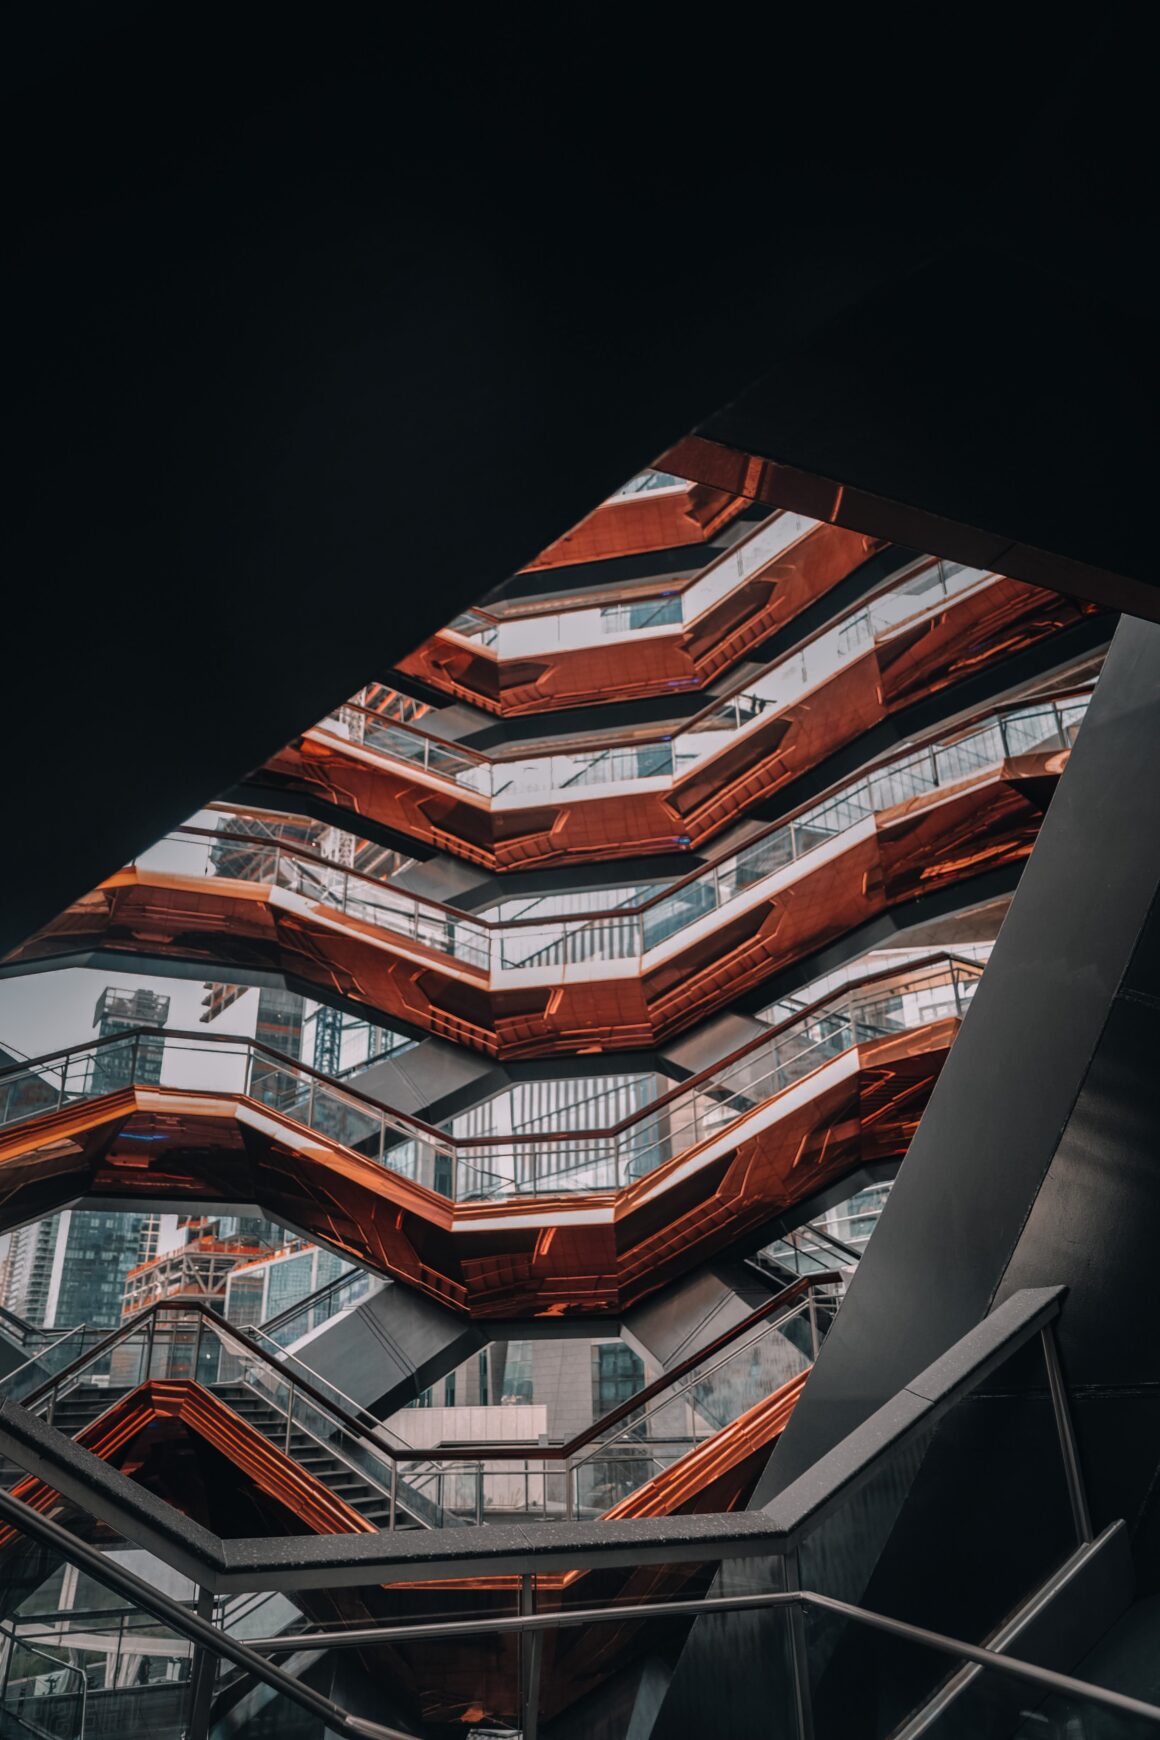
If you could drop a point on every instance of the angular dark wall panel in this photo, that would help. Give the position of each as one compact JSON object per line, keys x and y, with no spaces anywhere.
{"x":961,"y":1206}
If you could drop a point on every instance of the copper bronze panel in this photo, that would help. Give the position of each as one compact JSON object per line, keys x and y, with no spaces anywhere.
{"x":786,"y":486}
{"x":143,"y":1433}
{"x":513,"y":1257}
{"x":634,"y":525}
{"x":928,"y":843}
{"x":972,"y":632}
{"x":687,"y":658}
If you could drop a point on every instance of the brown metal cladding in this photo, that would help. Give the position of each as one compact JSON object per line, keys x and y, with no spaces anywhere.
{"x":985,"y":625}
{"x":775,"y":485}
{"x":634,"y":525}
{"x":688,"y":657}
{"x":544,"y":1256}
{"x":927,"y":843}
{"x":142,"y":1433}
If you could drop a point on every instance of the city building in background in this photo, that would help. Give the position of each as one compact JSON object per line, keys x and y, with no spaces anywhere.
{"x":547,"y":1095}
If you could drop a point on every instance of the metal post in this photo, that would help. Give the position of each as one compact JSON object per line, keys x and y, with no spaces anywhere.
{"x":531,"y":1656}
{"x":479,"y":1495}
{"x":799,"y":1660}
{"x":394,"y":1497}
{"x":197,"y":1347}
{"x":289,"y":1419}
{"x":569,"y":1491}
{"x":812,"y":1307}
{"x":203,"y":1673}
{"x":149,"y":1345}
{"x":1068,"y":1449}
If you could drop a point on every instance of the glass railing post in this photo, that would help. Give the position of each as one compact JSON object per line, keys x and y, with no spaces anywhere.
{"x":392,"y":1514}
{"x":812,"y":1305}
{"x":197,"y":1348}
{"x":479,"y":1495}
{"x":289,"y":1420}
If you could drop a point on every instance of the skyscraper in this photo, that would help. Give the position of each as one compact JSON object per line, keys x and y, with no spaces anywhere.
{"x":123,"y":1009}
{"x":717,"y":812}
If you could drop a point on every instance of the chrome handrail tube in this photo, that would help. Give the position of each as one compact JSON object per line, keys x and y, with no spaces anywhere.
{"x":775,"y":1533}
{"x":256,"y":1655}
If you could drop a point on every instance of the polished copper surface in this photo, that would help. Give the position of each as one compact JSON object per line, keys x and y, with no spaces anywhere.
{"x":774,"y":484}
{"x":145,"y":1433}
{"x":973,"y":631}
{"x":686,"y":656}
{"x":633,"y":525}
{"x":594,"y":1252}
{"x":928,"y":843}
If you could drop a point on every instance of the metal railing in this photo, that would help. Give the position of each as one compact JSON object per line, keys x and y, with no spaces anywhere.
{"x":815,"y":1245}
{"x":527,"y":626}
{"x":649,"y":1433}
{"x":172,"y":1340}
{"x":38,"y":1699}
{"x":538,"y":1163}
{"x":188,"y":1340}
{"x":330,"y":1300}
{"x":770,"y":1540}
{"x":515,"y":781}
{"x":549,"y":944}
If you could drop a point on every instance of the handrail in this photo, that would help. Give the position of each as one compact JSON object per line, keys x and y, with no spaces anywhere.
{"x":21,"y":1328}
{"x":199,"y":1307}
{"x":536,"y":796}
{"x":778,"y":1301}
{"x":529,"y":1163}
{"x":497,"y":948}
{"x":306,"y":1562}
{"x":255,"y":1657}
{"x":396,"y":1454}
{"x":826,"y":1236}
{"x":1047,"y":1679}
{"x":191,"y":1625}
{"x":288,"y":1312}
{"x":743,"y":684}
{"x":431,"y":1132}
{"x":460,"y":916}
{"x":531,"y":607}
{"x":63,"y":1336}
{"x":680,"y":1388}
